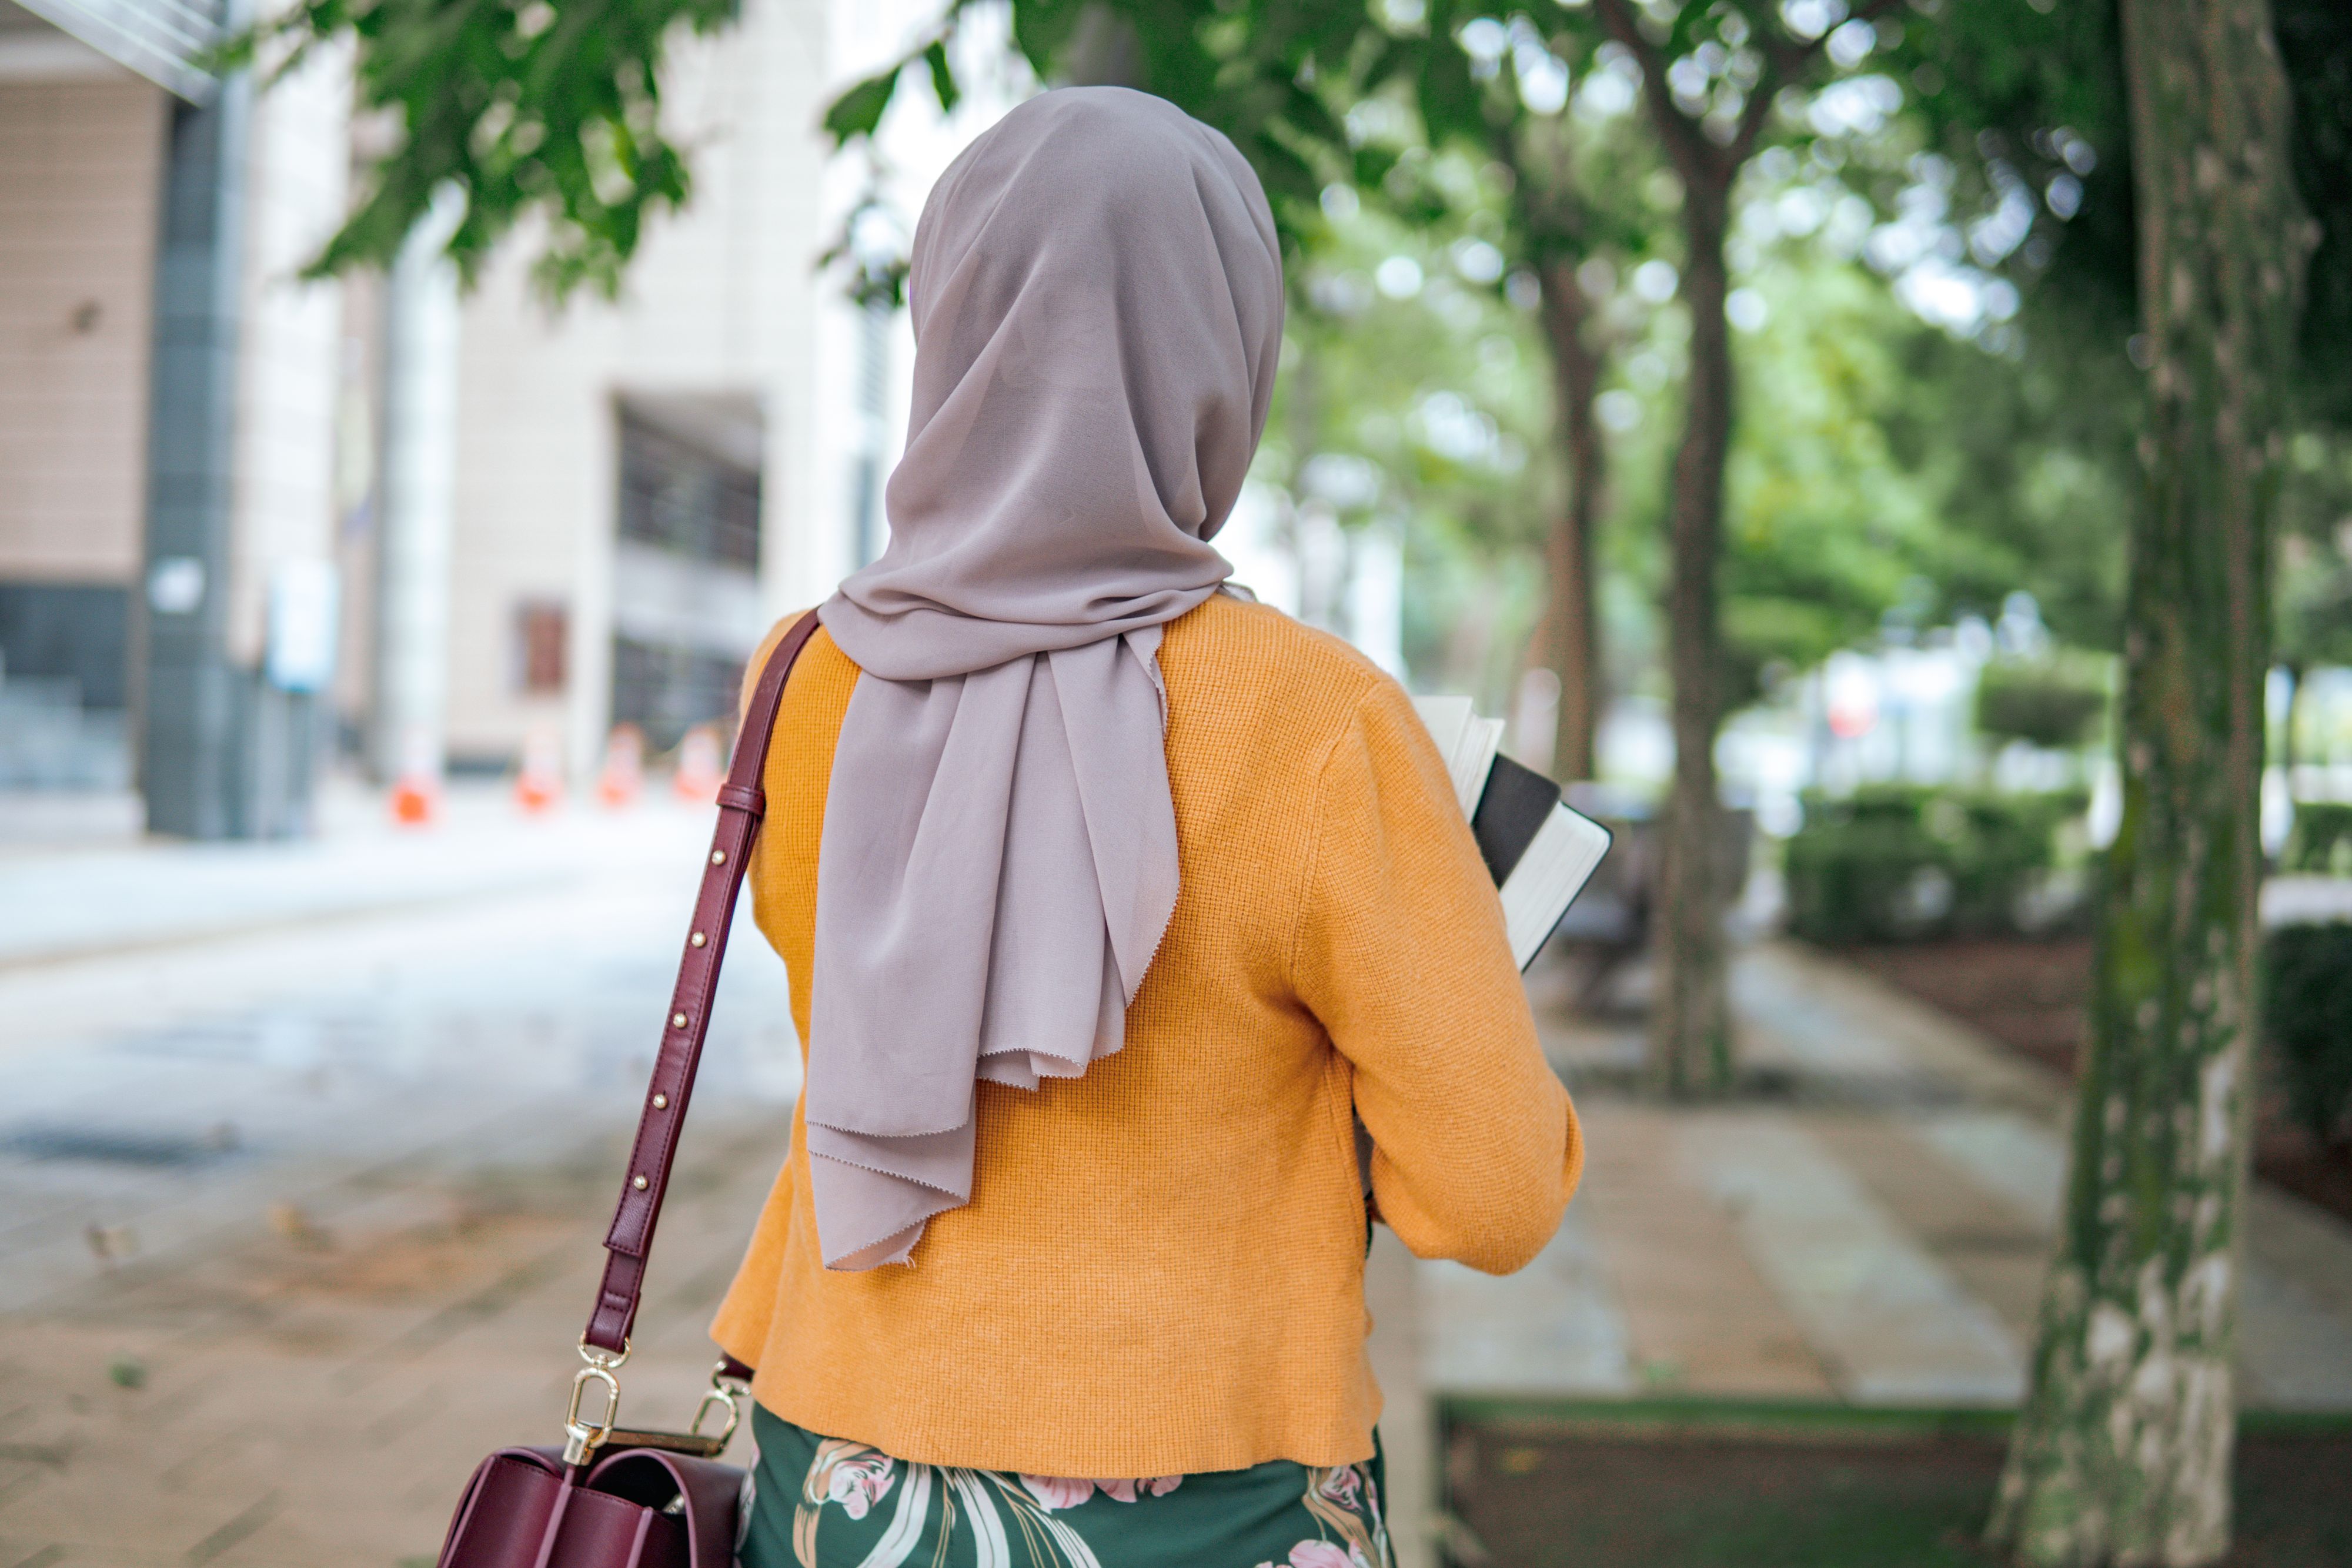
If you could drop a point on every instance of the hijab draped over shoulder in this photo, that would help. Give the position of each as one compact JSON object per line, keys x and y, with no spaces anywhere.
{"x":1097,"y":292}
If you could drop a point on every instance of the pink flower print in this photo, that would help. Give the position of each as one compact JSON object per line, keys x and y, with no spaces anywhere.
{"x":1055,"y":1493}
{"x":1341,"y":1485}
{"x":1324,"y":1555}
{"x":858,"y":1484}
{"x":1126,"y":1490}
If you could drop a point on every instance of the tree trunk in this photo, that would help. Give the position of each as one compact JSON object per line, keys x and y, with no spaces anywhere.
{"x":2122,"y":1452}
{"x":1690,"y":1038}
{"x":1571,"y":641}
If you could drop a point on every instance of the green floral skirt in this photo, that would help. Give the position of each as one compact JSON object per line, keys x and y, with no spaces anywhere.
{"x":823,"y":1502}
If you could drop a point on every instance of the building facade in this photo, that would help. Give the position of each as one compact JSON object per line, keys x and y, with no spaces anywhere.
{"x":255,"y":529}
{"x":163,"y":388}
{"x":254,"y":526}
{"x":634,"y":488}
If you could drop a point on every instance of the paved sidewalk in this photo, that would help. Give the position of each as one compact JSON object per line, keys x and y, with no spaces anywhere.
{"x":305,"y":1157}
{"x":1873,"y":1231}
{"x":307,"y":1401}
{"x":300,"y":1199}
{"x":301,"y":1192}
{"x":123,"y":893}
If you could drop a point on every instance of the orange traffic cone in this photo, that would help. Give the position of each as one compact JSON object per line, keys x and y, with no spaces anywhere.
{"x":622,"y":778}
{"x":416,"y":792}
{"x":539,"y":784}
{"x":698,"y":777}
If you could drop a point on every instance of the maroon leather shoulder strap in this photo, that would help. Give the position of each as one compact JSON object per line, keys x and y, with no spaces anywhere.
{"x":741,"y":804}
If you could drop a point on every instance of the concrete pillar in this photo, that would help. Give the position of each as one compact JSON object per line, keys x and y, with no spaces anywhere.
{"x":193,"y":709}
{"x":869,"y":526}
{"x":419,"y":481}
{"x":238,"y":596}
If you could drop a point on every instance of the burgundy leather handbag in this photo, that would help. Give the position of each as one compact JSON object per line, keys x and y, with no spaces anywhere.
{"x":611,"y":1497}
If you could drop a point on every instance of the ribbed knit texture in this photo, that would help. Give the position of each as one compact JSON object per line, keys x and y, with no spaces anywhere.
{"x":1161,"y":1271}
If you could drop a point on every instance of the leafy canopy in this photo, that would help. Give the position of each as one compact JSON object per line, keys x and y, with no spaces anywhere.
{"x":524,"y":107}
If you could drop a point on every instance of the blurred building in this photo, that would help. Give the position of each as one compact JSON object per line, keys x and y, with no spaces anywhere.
{"x":255,"y":527}
{"x":166,"y":413}
{"x":618,"y":497}
{"x":254,"y":524}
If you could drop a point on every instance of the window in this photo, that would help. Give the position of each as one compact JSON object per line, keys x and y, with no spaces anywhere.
{"x":542,"y":639}
{"x":681,"y":496}
{"x":667,"y":691}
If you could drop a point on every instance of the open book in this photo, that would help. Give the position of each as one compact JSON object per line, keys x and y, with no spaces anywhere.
{"x":1540,"y":852}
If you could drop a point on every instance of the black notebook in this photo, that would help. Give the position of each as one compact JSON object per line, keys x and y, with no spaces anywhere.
{"x":1539,"y":851}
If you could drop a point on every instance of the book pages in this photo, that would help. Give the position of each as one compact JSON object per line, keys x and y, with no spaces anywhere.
{"x":1446,"y":720}
{"x":1553,"y":870}
{"x":1466,"y":742}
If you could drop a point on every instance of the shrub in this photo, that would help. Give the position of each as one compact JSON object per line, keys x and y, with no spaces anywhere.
{"x":2307,"y":1014}
{"x":2055,"y":702}
{"x":2322,"y":839}
{"x":1899,"y":863}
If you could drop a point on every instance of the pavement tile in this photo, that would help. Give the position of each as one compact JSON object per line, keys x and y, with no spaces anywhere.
{"x":2304,"y":1243}
{"x":2294,"y":1353}
{"x":1994,"y":1253}
{"x":2294,"y":1345}
{"x":1699,"y":1317}
{"x":1553,"y":1328}
{"x":149,"y":894}
{"x":322,"y":1407}
{"x":1892,"y":1323}
{"x":1803,"y":1010}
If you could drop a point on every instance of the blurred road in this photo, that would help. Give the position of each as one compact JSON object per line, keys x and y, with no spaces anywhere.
{"x":303,"y":1156}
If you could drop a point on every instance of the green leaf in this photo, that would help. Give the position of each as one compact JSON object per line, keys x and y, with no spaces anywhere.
{"x":943,"y":82}
{"x":860,"y":110}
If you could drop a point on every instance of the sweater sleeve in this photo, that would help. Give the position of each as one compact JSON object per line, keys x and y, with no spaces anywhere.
{"x":1401,"y":952}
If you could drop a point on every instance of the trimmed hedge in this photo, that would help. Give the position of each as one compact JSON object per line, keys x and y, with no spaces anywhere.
{"x":2057,"y":701}
{"x":2308,"y":1015}
{"x":1904,"y":862}
{"x":2322,"y":839}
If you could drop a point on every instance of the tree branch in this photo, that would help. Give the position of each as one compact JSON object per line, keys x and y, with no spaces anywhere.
{"x":1552,"y":212}
{"x":1752,"y":113}
{"x":1786,"y":60}
{"x":1693,"y":156}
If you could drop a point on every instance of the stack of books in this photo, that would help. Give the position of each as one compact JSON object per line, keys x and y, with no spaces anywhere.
{"x":1540,"y":852}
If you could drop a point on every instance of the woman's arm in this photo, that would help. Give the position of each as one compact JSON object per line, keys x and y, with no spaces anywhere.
{"x":1401,"y":952}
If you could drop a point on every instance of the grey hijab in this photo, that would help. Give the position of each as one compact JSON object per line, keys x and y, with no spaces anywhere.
{"x":1097,"y":303}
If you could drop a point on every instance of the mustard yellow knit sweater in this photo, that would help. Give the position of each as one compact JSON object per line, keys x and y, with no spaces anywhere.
{"x":1161,"y":1271}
